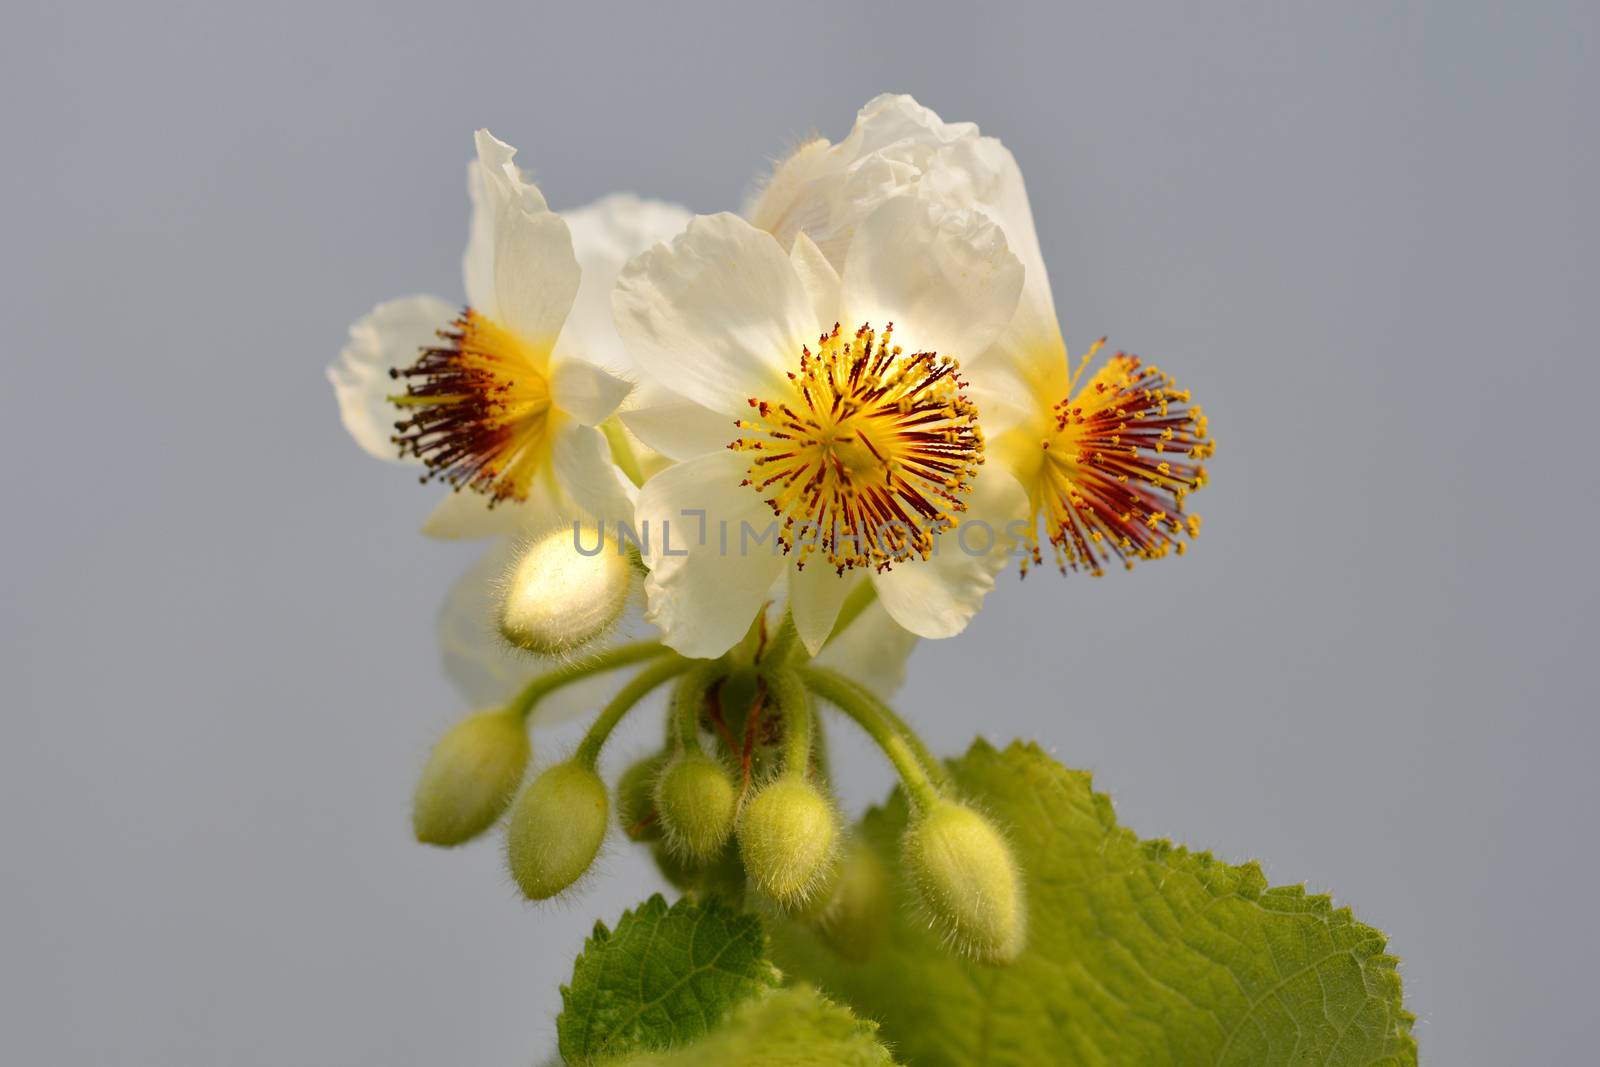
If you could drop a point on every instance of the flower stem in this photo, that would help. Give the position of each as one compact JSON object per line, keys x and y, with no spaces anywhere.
{"x":794,"y":704}
{"x":916,"y":766}
{"x":687,"y":700}
{"x":608,"y":660}
{"x":636,"y":690}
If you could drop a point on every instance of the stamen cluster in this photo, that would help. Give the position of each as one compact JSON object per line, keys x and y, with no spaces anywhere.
{"x":873,"y":454}
{"x":479,"y":410}
{"x":1125,"y":452}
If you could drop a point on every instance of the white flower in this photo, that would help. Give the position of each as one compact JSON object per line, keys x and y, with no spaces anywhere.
{"x":1106,"y":459}
{"x":501,"y":400}
{"x":802,"y":416}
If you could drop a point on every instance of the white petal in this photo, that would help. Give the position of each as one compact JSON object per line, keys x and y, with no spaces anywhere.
{"x":873,"y":650}
{"x":390,"y":336}
{"x":719,"y":315}
{"x":980,"y":172}
{"x":672,"y":425}
{"x":818,"y":276}
{"x":816,"y":593}
{"x":937,"y":598}
{"x":495,"y":185}
{"x":944,"y":278}
{"x":535,"y":275}
{"x":1004,"y":398}
{"x":891,"y":118}
{"x":605,"y":235}
{"x":582,"y":461}
{"x":465,"y":515}
{"x":584,"y":391}
{"x":499,"y":166}
{"x":477,"y":262}
{"x":704,"y":595}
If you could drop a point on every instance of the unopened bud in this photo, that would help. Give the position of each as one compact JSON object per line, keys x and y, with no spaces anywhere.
{"x":967,"y":881}
{"x":696,"y":801}
{"x":558,"y":599}
{"x":470,"y":777}
{"x":557,"y":825}
{"x":787,"y":836}
{"x":636,"y":799}
{"x":857,"y":912}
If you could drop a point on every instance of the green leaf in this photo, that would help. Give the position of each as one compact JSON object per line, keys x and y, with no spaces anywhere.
{"x":793,"y":1027}
{"x":1138,"y":952}
{"x":662,"y":978}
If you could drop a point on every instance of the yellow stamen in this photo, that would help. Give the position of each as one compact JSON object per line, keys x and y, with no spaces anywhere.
{"x":1106,"y":482}
{"x":478,"y":410}
{"x":874,"y":452}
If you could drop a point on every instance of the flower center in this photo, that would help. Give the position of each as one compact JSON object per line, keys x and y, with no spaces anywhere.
{"x":477,"y":410}
{"x":871,"y":456}
{"x":1124,"y":454}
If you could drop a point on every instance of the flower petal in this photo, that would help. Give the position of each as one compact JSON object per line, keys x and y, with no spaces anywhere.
{"x":704,"y":592}
{"x":719,"y":315}
{"x":873,"y":650}
{"x":605,"y":235}
{"x":944,"y":278}
{"x":584,"y":391}
{"x":816,"y":593}
{"x":676,"y":427}
{"x":494,"y":183}
{"x":582,"y":461}
{"x":535,"y":275}
{"x":818,"y":276}
{"x":477,"y":262}
{"x":464,"y":515}
{"x":388,"y":337}
{"x":938,"y":597}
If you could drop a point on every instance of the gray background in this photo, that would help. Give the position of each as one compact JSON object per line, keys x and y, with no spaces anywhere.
{"x":1361,"y":233}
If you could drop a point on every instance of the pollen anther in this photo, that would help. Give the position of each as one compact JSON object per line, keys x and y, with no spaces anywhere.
{"x":1109,"y":486}
{"x":476,"y":410}
{"x":873,"y":456}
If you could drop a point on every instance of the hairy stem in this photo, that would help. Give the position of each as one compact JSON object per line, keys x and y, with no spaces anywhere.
{"x":609,"y":660}
{"x":911,"y":759}
{"x":794,"y":704}
{"x":641,"y":685}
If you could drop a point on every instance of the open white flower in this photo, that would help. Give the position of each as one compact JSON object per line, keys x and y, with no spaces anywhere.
{"x":501,"y":400}
{"x":1107,"y":459}
{"x":823,"y":427}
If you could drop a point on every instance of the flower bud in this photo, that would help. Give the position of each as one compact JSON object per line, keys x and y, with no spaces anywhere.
{"x":470,"y":777}
{"x":557,"y":598}
{"x":696,"y":801}
{"x":967,"y":881}
{"x":636,"y":799}
{"x":857,"y":912}
{"x":787,"y":836}
{"x":557,"y":825}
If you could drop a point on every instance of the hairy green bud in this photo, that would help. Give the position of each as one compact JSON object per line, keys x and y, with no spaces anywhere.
{"x":636,"y":799}
{"x":470,"y":777}
{"x":558,"y":599}
{"x":696,"y":801}
{"x":557,"y":825}
{"x":788,"y":835}
{"x":967,"y":881}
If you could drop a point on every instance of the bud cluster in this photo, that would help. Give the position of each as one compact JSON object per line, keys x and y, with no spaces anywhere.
{"x":737,"y":798}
